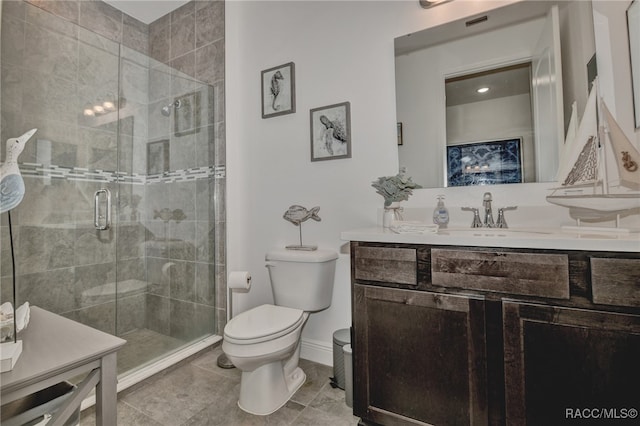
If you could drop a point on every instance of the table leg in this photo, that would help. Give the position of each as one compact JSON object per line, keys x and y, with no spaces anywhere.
{"x":106,"y":392}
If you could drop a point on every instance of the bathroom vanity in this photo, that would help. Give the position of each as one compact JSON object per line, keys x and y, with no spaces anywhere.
{"x":495,"y":327}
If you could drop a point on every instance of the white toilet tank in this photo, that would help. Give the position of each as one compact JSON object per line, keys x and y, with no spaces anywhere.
{"x":302,"y":279}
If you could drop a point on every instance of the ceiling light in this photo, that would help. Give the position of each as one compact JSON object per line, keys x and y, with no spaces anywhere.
{"x":483,"y":90}
{"x":109,"y":106}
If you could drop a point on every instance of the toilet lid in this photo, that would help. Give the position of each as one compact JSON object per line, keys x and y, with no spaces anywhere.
{"x":263,"y":321}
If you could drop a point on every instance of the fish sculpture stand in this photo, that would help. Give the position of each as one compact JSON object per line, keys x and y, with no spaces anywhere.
{"x":297,"y":214}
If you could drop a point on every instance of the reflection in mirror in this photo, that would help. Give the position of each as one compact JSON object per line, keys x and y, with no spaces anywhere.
{"x":489,"y":127}
{"x":546,"y":39}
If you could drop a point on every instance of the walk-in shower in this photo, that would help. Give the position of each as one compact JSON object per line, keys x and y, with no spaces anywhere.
{"x":146,"y":271}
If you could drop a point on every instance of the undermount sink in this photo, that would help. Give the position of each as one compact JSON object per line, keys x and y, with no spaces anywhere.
{"x":494,"y":232}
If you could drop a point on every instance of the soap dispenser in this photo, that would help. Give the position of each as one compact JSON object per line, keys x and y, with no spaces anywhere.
{"x":441,"y":213}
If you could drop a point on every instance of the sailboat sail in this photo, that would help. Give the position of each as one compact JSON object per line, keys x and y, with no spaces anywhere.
{"x":590,"y":185}
{"x":587,"y":131}
{"x":626,"y":154}
{"x":572,"y":131}
{"x":586,"y":168}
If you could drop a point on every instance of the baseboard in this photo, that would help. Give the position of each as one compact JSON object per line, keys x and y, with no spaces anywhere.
{"x":317,"y":351}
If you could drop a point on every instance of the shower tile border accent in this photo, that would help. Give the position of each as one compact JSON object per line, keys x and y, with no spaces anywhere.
{"x":87,"y":175}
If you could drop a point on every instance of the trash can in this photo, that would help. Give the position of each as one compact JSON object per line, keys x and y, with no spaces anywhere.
{"x":340,"y":338}
{"x":348,"y":375}
{"x":33,"y":408}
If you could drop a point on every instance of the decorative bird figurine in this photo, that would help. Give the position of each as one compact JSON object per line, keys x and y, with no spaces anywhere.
{"x":11,"y":183}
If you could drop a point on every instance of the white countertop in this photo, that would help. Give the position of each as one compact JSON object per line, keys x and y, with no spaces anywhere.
{"x":536,"y":238}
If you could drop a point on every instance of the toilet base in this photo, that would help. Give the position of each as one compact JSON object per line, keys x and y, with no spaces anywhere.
{"x":267,"y":388}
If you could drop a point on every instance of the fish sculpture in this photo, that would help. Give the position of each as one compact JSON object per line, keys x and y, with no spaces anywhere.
{"x":11,"y":183}
{"x":275,"y":88}
{"x":298,"y":214}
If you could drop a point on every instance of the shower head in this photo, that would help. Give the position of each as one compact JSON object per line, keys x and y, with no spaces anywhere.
{"x":166,"y":110}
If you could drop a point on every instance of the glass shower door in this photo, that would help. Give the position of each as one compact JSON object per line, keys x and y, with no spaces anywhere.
{"x":62,"y":80}
{"x":166,"y":268}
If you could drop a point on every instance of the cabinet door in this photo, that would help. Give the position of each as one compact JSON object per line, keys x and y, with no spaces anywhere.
{"x":560,"y":360}
{"x":419,"y":357}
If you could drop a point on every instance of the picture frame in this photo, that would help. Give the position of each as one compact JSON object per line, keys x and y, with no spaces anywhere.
{"x":400,"y":141}
{"x":485,"y":163}
{"x":158,"y":157}
{"x":278,"y":90}
{"x":330,"y":132}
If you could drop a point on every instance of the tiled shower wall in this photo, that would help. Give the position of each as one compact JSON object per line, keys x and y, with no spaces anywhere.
{"x":61,"y":255}
{"x":191,"y":40}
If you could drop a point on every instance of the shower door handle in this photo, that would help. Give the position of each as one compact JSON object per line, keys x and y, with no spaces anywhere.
{"x":99,"y":221}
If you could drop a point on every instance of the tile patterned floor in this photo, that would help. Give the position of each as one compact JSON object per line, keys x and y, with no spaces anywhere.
{"x":199,"y":393}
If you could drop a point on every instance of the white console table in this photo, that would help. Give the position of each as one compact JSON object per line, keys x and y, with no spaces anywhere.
{"x":57,"y":349}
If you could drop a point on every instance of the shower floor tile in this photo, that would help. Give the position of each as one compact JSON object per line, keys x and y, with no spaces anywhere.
{"x":200,"y":393}
{"x":143,"y":346}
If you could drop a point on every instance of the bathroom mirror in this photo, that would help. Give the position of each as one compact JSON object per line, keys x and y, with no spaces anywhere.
{"x":552,"y":42}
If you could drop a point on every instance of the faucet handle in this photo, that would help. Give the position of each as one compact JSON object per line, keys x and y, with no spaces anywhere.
{"x":477,"y":223}
{"x":501,"y":221}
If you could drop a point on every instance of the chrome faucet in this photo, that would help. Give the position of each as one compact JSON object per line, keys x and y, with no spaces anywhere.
{"x":488,"y":214}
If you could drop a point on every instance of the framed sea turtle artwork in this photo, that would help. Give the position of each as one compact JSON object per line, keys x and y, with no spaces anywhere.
{"x":278,"y":90}
{"x":331,"y":132}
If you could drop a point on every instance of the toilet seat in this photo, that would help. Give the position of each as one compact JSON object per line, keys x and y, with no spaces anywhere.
{"x":263,"y":323}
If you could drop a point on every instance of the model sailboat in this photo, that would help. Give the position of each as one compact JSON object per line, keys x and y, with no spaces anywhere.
{"x":599,"y":172}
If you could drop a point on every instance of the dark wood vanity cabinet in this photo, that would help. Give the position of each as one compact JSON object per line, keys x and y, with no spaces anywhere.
{"x":558,"y":360}
{"x":462,"y":335}
{"x":422,"y":357}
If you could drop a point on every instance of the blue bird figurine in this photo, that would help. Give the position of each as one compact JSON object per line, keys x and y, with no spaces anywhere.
{"x":11,"y":183}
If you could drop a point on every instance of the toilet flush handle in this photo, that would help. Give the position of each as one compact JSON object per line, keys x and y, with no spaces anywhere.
{"x":270,"y":265}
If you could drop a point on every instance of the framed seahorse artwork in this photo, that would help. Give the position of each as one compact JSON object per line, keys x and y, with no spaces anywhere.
{"x":278,"y":90}
{"x":331,"y":132}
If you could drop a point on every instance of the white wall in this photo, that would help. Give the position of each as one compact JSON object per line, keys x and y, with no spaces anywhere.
{"x":343,"y":51}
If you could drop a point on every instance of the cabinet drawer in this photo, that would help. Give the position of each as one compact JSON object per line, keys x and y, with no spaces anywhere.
{"x":616,"y":281}
{"x":531,"y":274}
{"x":386,"y":264}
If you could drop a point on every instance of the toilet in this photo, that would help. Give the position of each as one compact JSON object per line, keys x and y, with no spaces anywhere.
{"x":264,"y":342}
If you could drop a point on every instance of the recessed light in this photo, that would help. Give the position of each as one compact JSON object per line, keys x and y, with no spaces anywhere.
{"x":483,"y":90}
